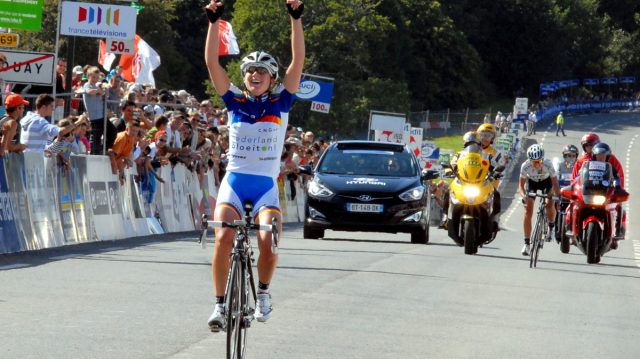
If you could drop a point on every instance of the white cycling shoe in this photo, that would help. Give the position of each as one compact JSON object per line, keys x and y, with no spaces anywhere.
{"x":525,"y":250}
{"x":263,"y":307}
{"x":218,"y":319}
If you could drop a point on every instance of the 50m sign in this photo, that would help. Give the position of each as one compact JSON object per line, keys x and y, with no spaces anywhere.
{"x":117,"y":46}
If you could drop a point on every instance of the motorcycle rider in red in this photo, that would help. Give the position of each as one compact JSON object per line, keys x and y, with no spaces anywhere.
{"x":591,"y":142}
{"x":588,"y":141}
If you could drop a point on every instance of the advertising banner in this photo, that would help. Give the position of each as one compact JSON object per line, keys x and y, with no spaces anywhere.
{"x":98,"y":20}
{"x":429,"y":156}
{"x":104,"y":197}
{"x":40,"y":185}
{"x":318,"y":90}
{"x":78,"y":179}
{"x":9,"y":240}
{"x":21,"y":14}
{"x":414,"y":140}
{"x":14,"y":171}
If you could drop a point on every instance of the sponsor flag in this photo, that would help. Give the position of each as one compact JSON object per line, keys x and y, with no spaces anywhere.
{"x":139,"y":67}
{"x":228,"y":43}
{"x":105,"y":58}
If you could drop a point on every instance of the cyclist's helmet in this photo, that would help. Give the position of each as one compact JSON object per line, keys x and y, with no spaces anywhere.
{"x":589,"y":139}
{"x":535,"y":152}
{"x":260,"y":59}
{"x":568,"y":149}
{"x":601,"y":149}
{"x":487,"y":127}
{"x":470,"y":138}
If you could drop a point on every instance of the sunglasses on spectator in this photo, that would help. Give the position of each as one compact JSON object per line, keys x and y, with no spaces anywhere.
{"x":259,"y":70}
{"x":570,"y":156}
{"x":162,"y":140}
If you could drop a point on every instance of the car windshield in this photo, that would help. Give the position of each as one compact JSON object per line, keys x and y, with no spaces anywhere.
{"x":596,"y":177}
{"x":369,"y":163}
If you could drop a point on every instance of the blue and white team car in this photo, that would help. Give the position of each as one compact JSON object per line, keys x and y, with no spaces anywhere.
{"x":368,"y":186}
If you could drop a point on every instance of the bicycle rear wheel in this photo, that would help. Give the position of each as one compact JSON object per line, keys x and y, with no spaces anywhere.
{"x":236,"y":301}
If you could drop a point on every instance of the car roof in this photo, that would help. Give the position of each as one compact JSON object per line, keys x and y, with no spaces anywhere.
{"x":369,"y":145}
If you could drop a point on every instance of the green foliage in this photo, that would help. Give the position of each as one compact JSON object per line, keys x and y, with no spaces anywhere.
{"x":389,"y":55}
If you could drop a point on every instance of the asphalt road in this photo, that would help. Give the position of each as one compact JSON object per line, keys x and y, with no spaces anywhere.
{"x":351,"y":295}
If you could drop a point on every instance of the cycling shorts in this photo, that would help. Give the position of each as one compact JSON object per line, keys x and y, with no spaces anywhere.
{"x":544,"y":186}
{"x":239,"y":188}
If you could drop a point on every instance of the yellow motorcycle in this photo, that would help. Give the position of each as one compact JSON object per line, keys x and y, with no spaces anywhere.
{"x":471,"y":223}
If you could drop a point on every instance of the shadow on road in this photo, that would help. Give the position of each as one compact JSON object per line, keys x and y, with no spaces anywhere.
{"x":359,"y":271}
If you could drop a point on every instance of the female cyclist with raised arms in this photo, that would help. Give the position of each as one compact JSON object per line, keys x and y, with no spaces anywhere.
{"x":258,"y":118}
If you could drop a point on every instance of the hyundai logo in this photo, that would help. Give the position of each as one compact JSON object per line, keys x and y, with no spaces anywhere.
{"x":365,"y":198}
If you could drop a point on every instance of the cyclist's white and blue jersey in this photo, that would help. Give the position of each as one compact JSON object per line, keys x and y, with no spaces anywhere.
{"x":257,"y":130}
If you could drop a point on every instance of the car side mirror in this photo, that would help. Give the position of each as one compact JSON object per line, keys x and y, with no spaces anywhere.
{"x":307,"y":170}
{"x":567,"y":192}
{"x":429,"y":175}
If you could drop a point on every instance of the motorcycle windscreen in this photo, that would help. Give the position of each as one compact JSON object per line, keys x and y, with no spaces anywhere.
{"x":596,"y":178}
{"x":472,"y":167}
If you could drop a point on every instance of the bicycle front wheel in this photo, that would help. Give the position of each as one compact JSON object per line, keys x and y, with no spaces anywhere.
{"x":236,"y":300}
{"x":533,"y":254}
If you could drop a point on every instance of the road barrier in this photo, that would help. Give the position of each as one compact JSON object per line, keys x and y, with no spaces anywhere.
{"x":43,"y":205}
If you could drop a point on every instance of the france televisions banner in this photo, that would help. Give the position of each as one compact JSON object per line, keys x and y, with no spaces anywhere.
{"x":98,"y":20}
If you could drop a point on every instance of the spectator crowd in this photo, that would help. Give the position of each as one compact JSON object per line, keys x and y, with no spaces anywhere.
{"x":137,"y":126}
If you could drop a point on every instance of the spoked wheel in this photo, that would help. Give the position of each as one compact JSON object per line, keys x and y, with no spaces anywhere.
{"x":535,"y":246}
{"x":236,"y":301}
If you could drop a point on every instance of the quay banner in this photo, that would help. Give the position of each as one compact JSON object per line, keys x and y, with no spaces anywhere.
{"x":98,"y":20}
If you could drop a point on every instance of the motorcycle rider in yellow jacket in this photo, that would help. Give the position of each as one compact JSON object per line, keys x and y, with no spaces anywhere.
{"x":487,"y":134}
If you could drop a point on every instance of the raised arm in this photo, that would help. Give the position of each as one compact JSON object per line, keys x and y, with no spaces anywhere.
{"x":217,"y":74}
{"x":292,"y":78}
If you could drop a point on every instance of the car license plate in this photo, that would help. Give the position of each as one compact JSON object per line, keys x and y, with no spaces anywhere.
{"x":365,"y":207}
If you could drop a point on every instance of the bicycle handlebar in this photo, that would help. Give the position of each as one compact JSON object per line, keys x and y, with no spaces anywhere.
{"x":536,"y":194}
{"x":240,"y":224}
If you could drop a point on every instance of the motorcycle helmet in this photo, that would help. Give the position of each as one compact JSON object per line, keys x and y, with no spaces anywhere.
{"x":487,"y":127}
{"x":569,"y":149}
{"x":589,"y":139}
{"x":469,"y":138}
{"x":535,"y":152}
{"x":260,"y":59}
{"x":601,"y":149}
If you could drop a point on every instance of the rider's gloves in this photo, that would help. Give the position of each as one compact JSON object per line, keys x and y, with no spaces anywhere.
{"x":295,"y":13}
{"x":213,"y":16}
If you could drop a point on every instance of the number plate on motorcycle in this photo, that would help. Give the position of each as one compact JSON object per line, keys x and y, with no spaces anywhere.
{"x":365,"y":207}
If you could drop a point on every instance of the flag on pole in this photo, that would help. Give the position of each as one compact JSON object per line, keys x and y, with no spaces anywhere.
{"x":105,"y":58}
{"x":228,"y":43}
{"x":139,"y":67}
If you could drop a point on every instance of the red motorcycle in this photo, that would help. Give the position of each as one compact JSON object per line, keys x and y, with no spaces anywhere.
{"x":591,"y":217}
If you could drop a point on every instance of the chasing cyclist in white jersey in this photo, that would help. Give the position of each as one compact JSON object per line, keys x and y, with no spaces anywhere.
{"x":258,"y":117}
{"x":537,"y":174}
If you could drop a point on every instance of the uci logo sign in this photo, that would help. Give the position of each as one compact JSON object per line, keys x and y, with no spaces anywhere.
{"x":308,"y":89}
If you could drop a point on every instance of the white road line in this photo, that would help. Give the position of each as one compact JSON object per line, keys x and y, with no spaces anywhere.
{"x":629,"y":234}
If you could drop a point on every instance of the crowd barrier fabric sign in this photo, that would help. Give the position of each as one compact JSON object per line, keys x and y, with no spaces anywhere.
{"x":9,"y":238}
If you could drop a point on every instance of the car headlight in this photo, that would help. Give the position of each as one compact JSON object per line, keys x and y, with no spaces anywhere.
{"x":471,"y":191}
{"x":318,"y":190}
{"x":597,"y":200}
{"x":413,"y":194}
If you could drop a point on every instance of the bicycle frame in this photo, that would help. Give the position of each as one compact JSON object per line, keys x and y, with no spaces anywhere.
{"x":539,"y":228}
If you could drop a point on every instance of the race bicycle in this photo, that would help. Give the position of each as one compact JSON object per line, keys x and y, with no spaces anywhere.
{"x":540,"y":228}
{"x":240,"y":293}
